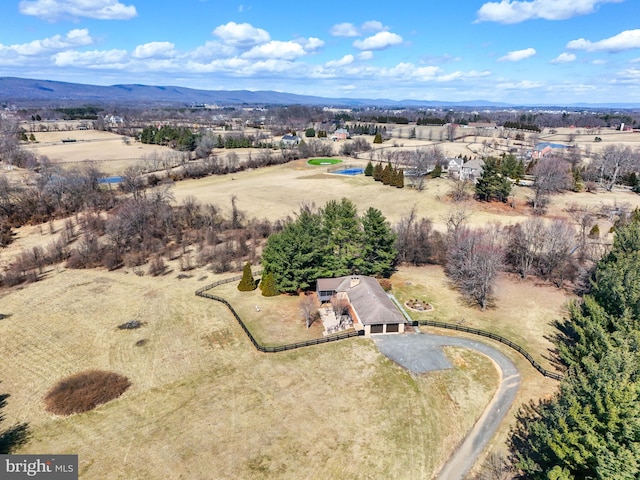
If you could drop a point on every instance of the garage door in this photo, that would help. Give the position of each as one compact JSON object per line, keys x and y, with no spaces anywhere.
{"x":377,"y":328}
{"x":393,"y":328}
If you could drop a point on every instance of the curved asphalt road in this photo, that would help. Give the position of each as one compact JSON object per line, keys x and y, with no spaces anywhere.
{"x":422,"y":353}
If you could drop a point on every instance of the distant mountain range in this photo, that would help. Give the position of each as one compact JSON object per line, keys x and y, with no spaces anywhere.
{"x":31,"y":92}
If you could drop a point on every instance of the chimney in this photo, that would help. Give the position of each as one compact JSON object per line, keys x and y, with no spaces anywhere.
{"x":355,"y":281}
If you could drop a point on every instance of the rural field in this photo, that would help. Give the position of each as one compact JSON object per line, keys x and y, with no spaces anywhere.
{"x":205,"y":404}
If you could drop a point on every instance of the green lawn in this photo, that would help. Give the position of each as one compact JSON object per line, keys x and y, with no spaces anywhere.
{"x":324,"y":161}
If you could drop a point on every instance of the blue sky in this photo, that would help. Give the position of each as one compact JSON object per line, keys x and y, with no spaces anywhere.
{"x":524,"y":52}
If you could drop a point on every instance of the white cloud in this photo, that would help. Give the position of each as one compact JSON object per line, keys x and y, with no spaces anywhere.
{"x":74,"y":38}
{"x":630,"y":76}
{"x":310,"y":44}
{"x":564,"y":58}
{"x":53,"y":10}
{"x":459,"y":75}
{"x":154,"y":50}
{"x":599,"y":61}
{"x":523,"y":85}
{"x":92,"y":59}
{"x":514,"y":11}
{"x":276,"y":50}
{"x":378,"y":41}
{"x":518,"y":55}
{"x":372,"y":26}
{"x":241,"y":35}
{"x":365,"y":55}
{"x":346,"y":60}
{"x":344,"y":30}
{"x":627,"y":40}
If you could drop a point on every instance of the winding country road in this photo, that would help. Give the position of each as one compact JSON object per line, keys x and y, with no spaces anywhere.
{"x":422,"y":353}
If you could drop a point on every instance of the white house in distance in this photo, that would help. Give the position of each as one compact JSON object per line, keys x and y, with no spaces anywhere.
{"x":290,"y":140}
{"x":370,"y":307}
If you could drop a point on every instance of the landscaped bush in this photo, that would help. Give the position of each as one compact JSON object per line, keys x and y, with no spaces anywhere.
{"x":247,"y":283}
{"x":85,"y":391}
{"x":385,"y":283}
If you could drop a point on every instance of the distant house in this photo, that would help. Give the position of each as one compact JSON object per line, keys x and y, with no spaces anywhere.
{"x":546,"y":149}
{"x":453,"y":167}
{"x":289,"y":140}
{"x":340,"y":134}
{"x":471,"y":170}
{"x":371,"y":308}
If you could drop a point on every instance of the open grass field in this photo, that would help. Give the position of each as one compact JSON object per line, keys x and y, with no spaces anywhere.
{"x":106,"y":151}
{"x":204,"y":404}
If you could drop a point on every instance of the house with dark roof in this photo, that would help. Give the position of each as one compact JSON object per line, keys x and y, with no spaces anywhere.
{"x":371,"y":308}
{"x":290,"y":140}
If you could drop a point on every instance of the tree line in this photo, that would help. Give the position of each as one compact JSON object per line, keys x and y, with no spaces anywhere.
{"x":329,"y":242}
{"x":590,"y":429}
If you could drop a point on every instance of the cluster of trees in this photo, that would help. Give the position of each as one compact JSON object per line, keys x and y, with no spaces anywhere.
{"x":388,"y":175}
{"x":591,"y":428}
{"x":386,"y":119}
{"x":366,"y":129}
{"x":354,"y":147}
{"x":141,"y":231}
{"x":329,"y":242}
{"x":530,"y":127}
{"x":431,"y":121}
{"x":180,"y":138}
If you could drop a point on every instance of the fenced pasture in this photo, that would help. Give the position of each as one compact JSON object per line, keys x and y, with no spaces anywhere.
{"x":199,"y":386}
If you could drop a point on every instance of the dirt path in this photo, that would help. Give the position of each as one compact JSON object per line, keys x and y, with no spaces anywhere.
{"x":421,"y":353}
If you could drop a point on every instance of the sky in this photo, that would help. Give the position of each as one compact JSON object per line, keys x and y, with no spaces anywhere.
{"x":530,"y":52}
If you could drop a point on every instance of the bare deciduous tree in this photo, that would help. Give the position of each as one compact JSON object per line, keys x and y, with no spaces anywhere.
{"x":552,"y":175}
{"x":525,"y":242}
{"x":614,"y":161}
{"x":309,"y":308}
{"x":474,"y":258}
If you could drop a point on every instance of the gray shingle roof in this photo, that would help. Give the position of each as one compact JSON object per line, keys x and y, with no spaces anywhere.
{"x":367,"y":298}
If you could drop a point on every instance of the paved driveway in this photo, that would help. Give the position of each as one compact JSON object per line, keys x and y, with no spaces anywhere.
{"x":422,"y":352}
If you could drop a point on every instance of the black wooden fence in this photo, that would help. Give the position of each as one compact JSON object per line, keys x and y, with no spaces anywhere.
{"x":201,"y":292}
{"x":493,"y":336}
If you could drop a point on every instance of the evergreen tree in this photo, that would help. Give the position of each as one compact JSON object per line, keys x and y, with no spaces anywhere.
{"x":387,"y":174}
{"x":295,"y":255}
{"x":247,"y":283}
{"x":377,"y":138}
{"x":378,"y":252}
{"x":437,"y":171}
{"x":341,"y":235}
{"x":400,"y":178}
{"x":368,"y":171}
{"x":492,"y":185}
{"x":268,"y":285}
{"x":591,"y":428}
{"x":377,"y":172}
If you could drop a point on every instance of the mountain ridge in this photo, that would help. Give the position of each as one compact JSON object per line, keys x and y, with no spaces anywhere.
{"x":29,"y":91}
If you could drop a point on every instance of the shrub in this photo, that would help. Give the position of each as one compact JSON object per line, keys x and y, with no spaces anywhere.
{"x":385,"y":283}
{"x":268,"y":286}
{"x":247,"y":283}
{"x":157,"y":266}
{"x":84,"y":391}
{"x":368,"y":171}
{"x":595,"y":232}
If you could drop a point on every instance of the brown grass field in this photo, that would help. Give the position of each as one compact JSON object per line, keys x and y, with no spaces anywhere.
{"x":204,"y":404}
